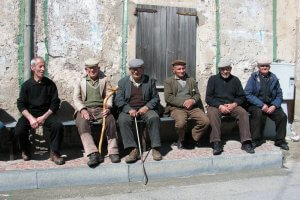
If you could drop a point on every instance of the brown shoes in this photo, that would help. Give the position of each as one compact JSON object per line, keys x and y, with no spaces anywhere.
{"x":55,"y":157}
{"x":156,"y":154}
{"x":25,"y":155}
{"x":133,"y":156}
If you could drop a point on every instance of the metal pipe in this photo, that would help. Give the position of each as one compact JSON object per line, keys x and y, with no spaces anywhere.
{"x":124,"y":37}
{"x":296,"y":124}
{"x":218,"y":43}
{"x":28,"y":38}
{"x":21,"y":44}
{"x":274,"y":30}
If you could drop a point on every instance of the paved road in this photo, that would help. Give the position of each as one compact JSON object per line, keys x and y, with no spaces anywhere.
{"x":272,"y":184}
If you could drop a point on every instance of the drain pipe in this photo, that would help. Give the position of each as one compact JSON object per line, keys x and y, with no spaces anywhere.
{"x":28,"y":37}
{"x":124,"y":37}
{"x":296,"y":124}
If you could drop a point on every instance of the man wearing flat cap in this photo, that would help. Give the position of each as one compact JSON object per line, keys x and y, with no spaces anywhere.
{"x":224,"y":96}
{"x":137,"y":97}
{"x":183,"y":101}
{"x":89,"y":94}
{"x":264,"y":94}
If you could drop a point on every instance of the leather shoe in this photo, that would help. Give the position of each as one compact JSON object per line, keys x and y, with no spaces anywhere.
{"x":282,"y":145}
{"x":25,"y":155}
{"x":247,"y":146}
{"x":179,"y":145}
{"x":256,"y":143}
{"x":156,"y":154}
{"x":217,"y":148}
{"x":114,"y":158}
{"x":133,"y":156}
{"x":56,"y":158}
{"x":95,"y":159}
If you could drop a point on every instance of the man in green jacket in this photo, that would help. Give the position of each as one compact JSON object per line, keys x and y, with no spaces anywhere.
{"x":183,"y":102}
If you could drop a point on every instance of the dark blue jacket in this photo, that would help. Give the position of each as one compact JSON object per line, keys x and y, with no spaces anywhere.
{"x":150,"y":94}
{"x":253,"y":86}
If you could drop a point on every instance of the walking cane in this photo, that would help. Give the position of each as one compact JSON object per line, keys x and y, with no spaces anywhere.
{"x":113,"y":90}
{"x":145,"y":179}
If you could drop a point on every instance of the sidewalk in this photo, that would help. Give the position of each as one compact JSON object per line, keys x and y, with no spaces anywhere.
{"x":42,"y":173}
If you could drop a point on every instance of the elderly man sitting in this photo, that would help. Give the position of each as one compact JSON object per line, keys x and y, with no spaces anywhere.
{"x":89,"y":94}
{"x":225,"y":95}
{"x":264,"y":94}
{"x":137,"y":97}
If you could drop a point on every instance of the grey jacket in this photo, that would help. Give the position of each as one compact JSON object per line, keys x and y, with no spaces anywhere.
{"x":150,"y":94}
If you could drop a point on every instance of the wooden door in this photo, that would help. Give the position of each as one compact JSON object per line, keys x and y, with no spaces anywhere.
{"x":163,"y":35}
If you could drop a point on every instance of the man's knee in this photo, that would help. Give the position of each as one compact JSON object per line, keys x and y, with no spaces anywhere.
{"x":124,"y":119}
{"x":256,"y":112}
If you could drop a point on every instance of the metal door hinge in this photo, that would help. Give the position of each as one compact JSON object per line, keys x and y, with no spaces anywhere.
{"x":147,"y":10}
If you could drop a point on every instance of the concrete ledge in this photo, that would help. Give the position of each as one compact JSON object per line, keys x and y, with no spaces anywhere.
{"x":118,"y":173}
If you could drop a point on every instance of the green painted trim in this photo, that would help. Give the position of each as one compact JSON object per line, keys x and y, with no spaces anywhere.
{"x":218,"y":42}
{"x":21,"y":43}
{"x":274,"y":30}
{"x":45,"y":13}
{"x":124,"y":37}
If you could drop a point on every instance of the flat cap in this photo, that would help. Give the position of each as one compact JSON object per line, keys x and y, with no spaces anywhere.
{"x":91,"y":62}
{"x":135,"y":63}
{"x":223,"y":64}
{"x":178,"y":62}
{"x":263,"y":61}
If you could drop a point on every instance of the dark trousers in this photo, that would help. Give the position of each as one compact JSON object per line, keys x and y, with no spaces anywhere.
{"x":52,"y":128}
{"x":126,"y":124}
{"x":258,"y":121}
{"x":239,"y":113}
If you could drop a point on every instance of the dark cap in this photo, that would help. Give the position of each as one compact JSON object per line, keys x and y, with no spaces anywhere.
{"x":178,"y":62}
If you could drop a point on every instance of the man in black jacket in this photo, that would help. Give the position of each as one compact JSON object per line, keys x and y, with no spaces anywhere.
{"x":225,"y":95}
{"x":38,"y":101}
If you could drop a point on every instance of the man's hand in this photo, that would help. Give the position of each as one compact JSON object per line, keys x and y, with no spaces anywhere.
{"x":133,"y":113}
{"x":188,"y":104}
{"x":231,"y":106}
{"x":143,"y":110}
{"x":271,"y":109}
{"x":224,"y":109}
{"x":33,"y":122}
{"x":105,"y":112}
{"x":265,"y":108}
{"x":41,"y":120}
{"x":85,"y":114}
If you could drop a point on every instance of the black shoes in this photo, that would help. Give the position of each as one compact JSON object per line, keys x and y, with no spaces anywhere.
{"x":217,"y":148}
{"x":26,"y":155}
{"x":247,"y":146}
{"x":95,"y":159}
{"x":282,"y":144}
{"x":114,"y":158}
{"x":179,"y":145}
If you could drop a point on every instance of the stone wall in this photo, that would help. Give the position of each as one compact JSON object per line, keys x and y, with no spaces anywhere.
{"x":78,"y":29}
{"x":9,"y":30}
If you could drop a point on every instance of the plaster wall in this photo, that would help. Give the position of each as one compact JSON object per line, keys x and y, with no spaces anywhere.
{"x":9,"y":30}
{"x":78,"y":29}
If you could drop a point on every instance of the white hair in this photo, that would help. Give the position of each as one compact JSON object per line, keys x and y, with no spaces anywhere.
{"x":34,"y":60}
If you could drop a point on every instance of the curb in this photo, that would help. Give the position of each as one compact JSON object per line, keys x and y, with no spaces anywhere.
{"x":122,"y":173}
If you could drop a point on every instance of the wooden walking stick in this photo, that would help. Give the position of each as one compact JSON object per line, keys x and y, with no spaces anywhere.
{"x":113,"y":90}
